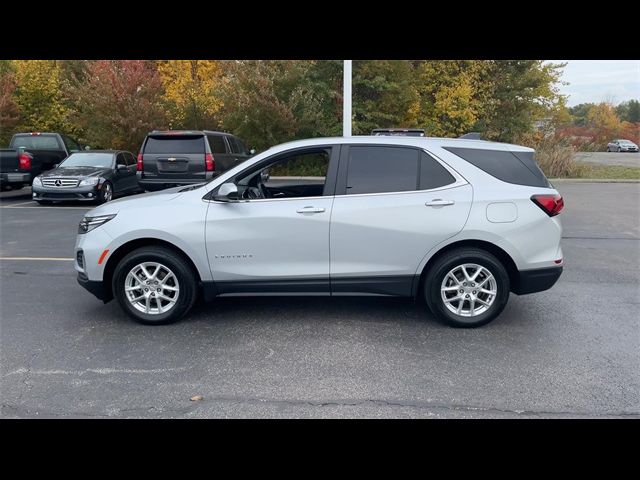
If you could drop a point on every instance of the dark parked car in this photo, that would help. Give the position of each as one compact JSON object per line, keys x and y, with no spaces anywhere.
{"x":407,"y":132}
{"x":94,"y":175}
{"x":30,"y":154}
{"x":622,"y":146}
{"x":184,"y":157}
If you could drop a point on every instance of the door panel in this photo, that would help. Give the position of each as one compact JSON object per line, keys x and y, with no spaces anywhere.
{"x":264,"y":245}
{"x":388,"y":234}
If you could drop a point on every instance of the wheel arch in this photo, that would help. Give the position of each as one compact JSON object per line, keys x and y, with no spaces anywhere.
{"x":129,"y":247}
{"x":492,"y":248}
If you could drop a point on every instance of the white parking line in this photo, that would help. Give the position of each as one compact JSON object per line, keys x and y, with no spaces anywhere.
{"x":30,"y":202}
{"x":46,"y":259}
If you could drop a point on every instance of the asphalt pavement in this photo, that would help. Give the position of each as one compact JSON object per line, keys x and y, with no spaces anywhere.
{"x":622,"y":159}
{"x":573,"y":351}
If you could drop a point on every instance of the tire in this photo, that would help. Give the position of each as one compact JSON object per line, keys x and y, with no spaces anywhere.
{"x":183,"y":279}
{"x":491,"y":270}
{"x":44,"y":202}
{"x":106,"y":193}
{"x":608,"y":149}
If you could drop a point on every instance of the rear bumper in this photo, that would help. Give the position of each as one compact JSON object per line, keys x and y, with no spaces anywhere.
{"x":161,"y":183}
{"x":538,"y":280}
{"x":15,"y":178}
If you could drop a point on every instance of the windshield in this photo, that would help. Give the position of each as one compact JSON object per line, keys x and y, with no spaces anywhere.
{"x":625,"y":142}
{"x":88,"y":160}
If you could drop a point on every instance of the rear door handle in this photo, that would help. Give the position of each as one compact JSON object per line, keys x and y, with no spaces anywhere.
{"x":438,"y":202}
{"x":310,"y":210}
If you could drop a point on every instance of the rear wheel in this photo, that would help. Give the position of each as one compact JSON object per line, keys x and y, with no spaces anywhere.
{"x":154,"y":285}
{"x":467,"y":287}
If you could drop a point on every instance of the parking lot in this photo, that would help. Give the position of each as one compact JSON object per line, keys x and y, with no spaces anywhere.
{"x":572,"y":351}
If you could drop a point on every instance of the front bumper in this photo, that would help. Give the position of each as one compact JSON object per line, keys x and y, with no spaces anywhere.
{"x":95,"y":287}
{"x":15,"y":178}
{"x":537,"y":280}
{"x":86,"y":194}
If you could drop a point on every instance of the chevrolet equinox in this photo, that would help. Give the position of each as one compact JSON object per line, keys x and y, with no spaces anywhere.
{"x":459,"y":223}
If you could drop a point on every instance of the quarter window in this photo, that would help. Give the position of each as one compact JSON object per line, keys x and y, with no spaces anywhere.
{"x":432,"y":174}
{"x":382,"y":169}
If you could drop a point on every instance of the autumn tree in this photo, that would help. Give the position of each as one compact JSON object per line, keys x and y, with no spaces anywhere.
{"x":9,"y":114}
{"x":119,"y":103}
{"x":450,"y":96}
{"x":192,"y":92}
{"x":260,"y":98}
{"x":39,"y":97}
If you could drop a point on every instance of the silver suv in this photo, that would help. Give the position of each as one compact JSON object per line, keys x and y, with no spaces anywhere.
{"x":459,"y":223}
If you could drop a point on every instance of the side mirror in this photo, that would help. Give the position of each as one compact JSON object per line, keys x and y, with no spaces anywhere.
{"x":252,"y":151}
{"x":228,"y":192}
{"x":121,"y":167}
{"x":56,"y":165}
{"x":87,"y":147}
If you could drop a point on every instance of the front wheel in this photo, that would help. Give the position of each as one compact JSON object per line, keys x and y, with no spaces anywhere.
{"x":467,"y":288}
{"x":154,"y":285}
{"x":106,"y":193}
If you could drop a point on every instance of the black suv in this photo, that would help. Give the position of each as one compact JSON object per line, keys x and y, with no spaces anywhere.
{"x":182,"y":157}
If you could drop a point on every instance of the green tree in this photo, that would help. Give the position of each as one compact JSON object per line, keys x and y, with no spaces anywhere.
{"x":516,"y":93}
{"x":629,"y":111}
{"x":39,"y":96}
{"x":579,"y":113}
{"x":384,"y":95}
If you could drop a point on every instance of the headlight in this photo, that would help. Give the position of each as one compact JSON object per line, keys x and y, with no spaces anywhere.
{"x":89,"y":223}
{"x":89,"y":181}
{"x":37,"y":182}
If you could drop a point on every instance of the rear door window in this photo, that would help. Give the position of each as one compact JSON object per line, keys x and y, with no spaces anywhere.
{"x":216,"y":142}
{"x":175,"y":145}
{"x":382,"y":169}
{"x":519,"y":168}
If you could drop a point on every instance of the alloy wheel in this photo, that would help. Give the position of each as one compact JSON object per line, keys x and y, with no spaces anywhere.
{"x":468,"y":290}
{"x":152,"y":288}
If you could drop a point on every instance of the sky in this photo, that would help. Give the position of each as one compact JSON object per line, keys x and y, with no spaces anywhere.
{"x":594,"y":81}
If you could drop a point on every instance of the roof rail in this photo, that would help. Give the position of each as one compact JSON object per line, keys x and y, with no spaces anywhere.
{"x":472,"y":136}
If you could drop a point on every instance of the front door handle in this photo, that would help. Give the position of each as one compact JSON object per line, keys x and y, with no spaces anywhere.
{"x":310,"y":210}
{"x":438,"y":202}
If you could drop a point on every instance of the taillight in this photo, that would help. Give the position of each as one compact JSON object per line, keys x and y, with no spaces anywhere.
{"x":24,"y":162}
{"x":209,"y":162}
{"x":551,"y":204}
{"x":139,"y":165}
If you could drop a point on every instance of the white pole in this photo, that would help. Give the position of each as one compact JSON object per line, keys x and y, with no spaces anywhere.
{"x":346,"y":99}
